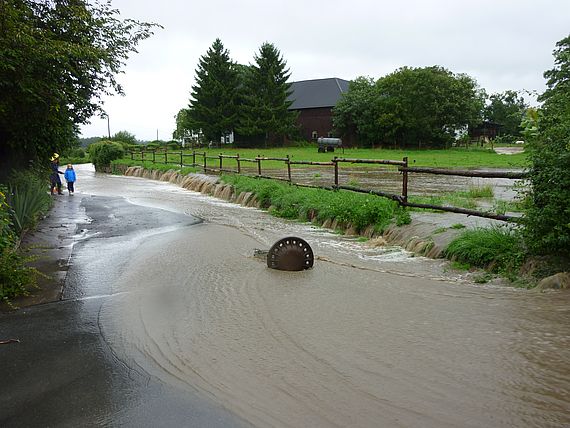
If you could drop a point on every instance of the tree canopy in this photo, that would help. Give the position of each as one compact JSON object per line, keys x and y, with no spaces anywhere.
{"x":124,"y":137}
{"x":548,"y":217}
{"x":212,"y":108}
{"x":410,"y":107}
{"x":508,"y":110}
{"x":57,"y":59}
{"x":264,"y":109}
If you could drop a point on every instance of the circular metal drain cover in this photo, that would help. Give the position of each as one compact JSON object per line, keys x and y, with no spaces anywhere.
{"x":290,"y":254}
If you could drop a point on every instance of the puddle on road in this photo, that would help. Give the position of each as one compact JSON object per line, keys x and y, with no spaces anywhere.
{"x":368,"y":337}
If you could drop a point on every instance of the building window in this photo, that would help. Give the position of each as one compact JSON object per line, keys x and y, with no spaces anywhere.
{"x":314,"y":135}
{"x":330,"y":134}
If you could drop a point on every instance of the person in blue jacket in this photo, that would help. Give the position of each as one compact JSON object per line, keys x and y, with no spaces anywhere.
{"x":70,"y":177}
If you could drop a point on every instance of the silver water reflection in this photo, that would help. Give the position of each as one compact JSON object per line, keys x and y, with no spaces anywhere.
{"x":360,"y":340}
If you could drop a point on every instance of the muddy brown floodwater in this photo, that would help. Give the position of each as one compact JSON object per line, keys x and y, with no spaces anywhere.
{"x":388,"y":179}
{"x":369,"y":337}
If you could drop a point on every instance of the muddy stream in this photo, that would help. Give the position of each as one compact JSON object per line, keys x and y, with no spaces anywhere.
{"x":370,"y":337}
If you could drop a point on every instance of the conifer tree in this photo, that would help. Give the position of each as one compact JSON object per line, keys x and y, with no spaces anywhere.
{"x":264,"y":111}
{"x":212,"y":106}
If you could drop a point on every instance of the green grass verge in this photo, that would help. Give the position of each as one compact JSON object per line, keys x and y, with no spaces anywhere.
{"x":497,"y":249}
{"x":450,"y":158}
{"x":289,"y":201}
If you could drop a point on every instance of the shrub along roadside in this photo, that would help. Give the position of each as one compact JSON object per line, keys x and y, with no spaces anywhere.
{"x":27,"y":198}
{"x":496,"y":249}
{"x":103,"y":152}
{"x":21,"y":204}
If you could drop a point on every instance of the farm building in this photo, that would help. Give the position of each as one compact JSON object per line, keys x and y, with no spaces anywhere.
{"x":314,"y":100}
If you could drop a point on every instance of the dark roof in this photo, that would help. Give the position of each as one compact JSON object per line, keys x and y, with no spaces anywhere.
{"x":317,"y":93}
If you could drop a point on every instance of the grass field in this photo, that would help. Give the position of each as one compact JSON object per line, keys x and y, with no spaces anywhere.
{"x":450,"y":158}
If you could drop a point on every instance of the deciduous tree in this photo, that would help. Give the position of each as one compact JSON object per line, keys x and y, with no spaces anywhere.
{"x":57,"y":58}
{"x":548,"y":217}
{"x":412,"y":107}
{"x":508,"y":110}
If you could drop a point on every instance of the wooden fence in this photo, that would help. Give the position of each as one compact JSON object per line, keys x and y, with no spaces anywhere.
{"x":179,"y":158}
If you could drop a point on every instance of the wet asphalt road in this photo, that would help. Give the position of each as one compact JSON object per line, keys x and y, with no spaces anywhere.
{"x":62,"y":372}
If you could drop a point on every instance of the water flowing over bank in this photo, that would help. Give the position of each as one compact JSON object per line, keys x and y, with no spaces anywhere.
{"x":417,"y":238}
{"x":371,"y":336}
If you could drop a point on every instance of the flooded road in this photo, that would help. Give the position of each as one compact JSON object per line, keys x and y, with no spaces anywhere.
{"x":369,"y":337}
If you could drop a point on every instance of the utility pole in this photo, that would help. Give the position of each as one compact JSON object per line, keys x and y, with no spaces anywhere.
{"x":108,"y":127}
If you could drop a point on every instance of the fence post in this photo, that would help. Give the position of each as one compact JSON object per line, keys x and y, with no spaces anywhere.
{"x":193,"y":158}
{"x":238,"y":164}
{"x":154,"y":156}
{"x":335,"y":172}
{"x":289,"y":168}
{"x":142,"y":155}
{"x":258,"y":164}
{"x":132,"y":155}
{"x":181,"y":160}
{"x":165,"y":155}
{"x":405,"y":180}
{"x":205,"y":166}
{"x":221,"y":162}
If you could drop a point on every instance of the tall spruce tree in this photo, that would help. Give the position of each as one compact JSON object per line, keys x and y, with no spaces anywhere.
{"x":212,"y":106}
{"x":264,"y":114}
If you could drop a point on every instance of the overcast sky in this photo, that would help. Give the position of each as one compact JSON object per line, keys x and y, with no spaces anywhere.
{"x":503,"y":44}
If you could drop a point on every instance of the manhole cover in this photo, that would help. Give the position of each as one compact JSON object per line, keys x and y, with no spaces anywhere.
{"x":290,"y":254}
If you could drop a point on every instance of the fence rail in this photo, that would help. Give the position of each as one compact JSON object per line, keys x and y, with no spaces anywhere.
{"x":402,"y":165}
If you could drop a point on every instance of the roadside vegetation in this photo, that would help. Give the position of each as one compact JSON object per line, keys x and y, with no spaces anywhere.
{"x":75,"y":156}
{"x":22,"y":203}
{"x":499,"y":250}
{"x":305,"y":204}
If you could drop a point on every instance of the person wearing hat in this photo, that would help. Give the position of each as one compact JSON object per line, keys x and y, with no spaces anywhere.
{"x":54,"y":177}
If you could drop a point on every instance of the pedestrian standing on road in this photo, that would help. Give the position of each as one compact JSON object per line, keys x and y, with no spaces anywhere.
{"x":70,"y":178}
{"x":54,"y":177}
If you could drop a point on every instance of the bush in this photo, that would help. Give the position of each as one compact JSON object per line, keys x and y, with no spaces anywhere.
{"x":173,"y":145}
{"x":547,"y":218}
{"x":498,"y":249}
{"x":77,"y":153}
{"x":103,"y":152}
{"x":15,"y":276}
{"x":28,"y":199}
{"x":7,"y":236}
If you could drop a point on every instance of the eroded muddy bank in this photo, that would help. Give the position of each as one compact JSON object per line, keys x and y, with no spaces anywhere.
{"x":424,"y":238}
